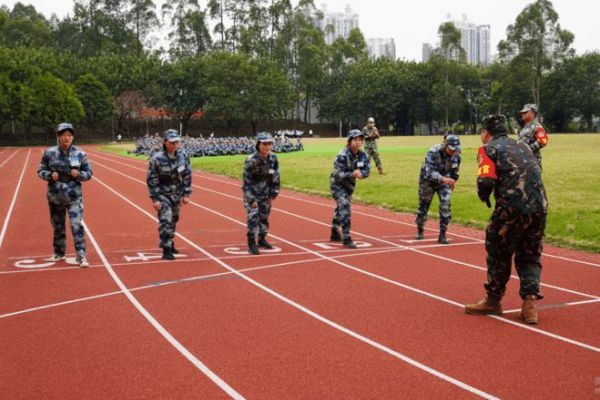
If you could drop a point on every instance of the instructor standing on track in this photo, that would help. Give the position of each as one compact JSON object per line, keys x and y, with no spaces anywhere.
{"x":169,"y":185}
{"x":260,"y":188}
{"x":64,"y":167}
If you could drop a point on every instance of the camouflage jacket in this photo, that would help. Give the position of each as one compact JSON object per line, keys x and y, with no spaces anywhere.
{"x":534,"y":135}
{"x":344,"y":165}
{"x":57,"y":160}
{"x":261,"y":178}
{"x":438,"y":164}
{"x":371,"y":135}
{"x":169,"y":175}
{"x":508,"y":168}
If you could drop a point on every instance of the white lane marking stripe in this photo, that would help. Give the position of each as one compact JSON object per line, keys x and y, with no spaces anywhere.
{"x":551,"y":306}
{"x":174,"y":342}
{"x":313,"y":314}
{"x":519,"y":325}
{"x":209,"y":177}
{"x":12,"y":203}
{"x":8,"y":159}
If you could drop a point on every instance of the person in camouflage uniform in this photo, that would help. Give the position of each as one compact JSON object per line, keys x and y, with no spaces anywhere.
{"x":350,"y":164}
{"x":371,"y":136}
{"x":169,"y":182}
{"x":533,"y":133}
{"x":439,"y":173}
{"x":509,"y":169}
{"x":64,"y":167}
{"x":260,"y":187}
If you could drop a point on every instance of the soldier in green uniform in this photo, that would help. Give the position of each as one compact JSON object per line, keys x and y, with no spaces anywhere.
{"x":533,"y":133}
{"x":371,"y":134}
{"x":509,"y":169}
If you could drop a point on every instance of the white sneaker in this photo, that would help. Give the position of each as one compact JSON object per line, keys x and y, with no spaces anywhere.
{"x":83,"y":263}
{"x":56,"y":257}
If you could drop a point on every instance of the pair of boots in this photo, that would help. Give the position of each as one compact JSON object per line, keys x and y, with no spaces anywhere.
{"x":336,"y":237}
{"x":169,"y":252}
{"x":442,"y":239}
{"x":491,"y":305}
{"x":253,"y":245}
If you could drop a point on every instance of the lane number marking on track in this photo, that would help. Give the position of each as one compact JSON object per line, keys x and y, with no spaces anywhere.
{"x":239,"y":251}
{"x":31,"y":263}
{"x":334,"y":245}
{"x":145,"y":256}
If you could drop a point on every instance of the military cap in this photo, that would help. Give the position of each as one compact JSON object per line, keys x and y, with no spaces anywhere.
{"x":452,"y":142}
{"x":171,"y":135}
{"x":494,"y":123}
{"x":64,"y":126}
{"x":264,"y":137}
{"x":355,"y":133}
{"x":529,"y":107}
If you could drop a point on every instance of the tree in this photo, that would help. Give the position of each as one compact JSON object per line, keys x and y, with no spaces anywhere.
{"x":141,"y":17}
{"x":535,"y":43}
{"x":96,"y":99}
{"x":24,"y":27}
{"x":54,"y":101}
{"x":189,"y":34}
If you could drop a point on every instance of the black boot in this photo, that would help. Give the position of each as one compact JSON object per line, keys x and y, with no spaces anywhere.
{"x":252,"y":247}
{"x":442,"y":238}
{"x":348,"y":243}
{"x":173,"y":249}
{"x":419,"y":233}
{"x":262,"y":242}
{"x":168,"y":254}
{"x":335,"y":235}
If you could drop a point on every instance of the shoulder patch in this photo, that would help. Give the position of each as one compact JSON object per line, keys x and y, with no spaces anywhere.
{"x":486,"y":167}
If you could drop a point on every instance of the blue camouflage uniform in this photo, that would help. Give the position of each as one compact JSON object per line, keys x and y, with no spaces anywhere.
{"x":437,"y":165}
{"x":261,"y":185}
{"x":169,"y":179}
{"x":342,"y":184}
{"x":65,"y":194}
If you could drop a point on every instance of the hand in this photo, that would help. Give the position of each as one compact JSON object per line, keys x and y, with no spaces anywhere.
{"x":185,"y":200}
{"x":74,"y":173}
{"x":157,"y":205}
{"x":357,"y":174}
{"x":253,"y":205}
{"x":449,"y":181}
{"x":54,"y":176}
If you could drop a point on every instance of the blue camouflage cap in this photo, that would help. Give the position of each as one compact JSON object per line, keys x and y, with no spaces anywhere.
{"x":452,"y":142}
{"x":355,"y":133}
{"x":171,"y":135}
{"x":64,"y":126}
{"x":264,"y":137}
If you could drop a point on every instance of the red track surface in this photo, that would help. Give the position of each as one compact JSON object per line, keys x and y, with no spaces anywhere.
{"x":308,"y":320}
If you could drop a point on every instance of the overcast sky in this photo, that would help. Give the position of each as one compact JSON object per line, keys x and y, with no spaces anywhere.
{"x":411,"y":23}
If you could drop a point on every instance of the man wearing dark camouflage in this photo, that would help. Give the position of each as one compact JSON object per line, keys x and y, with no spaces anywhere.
{"x":261,"y":186}
{"x":64,"y":167}
{"x":371,"y":134}
{"x":169,"y":182}
{"x":350,"y":164}
{"x":509,"y":169}
{"x":439,"y":173}
{"x":533,"y":133}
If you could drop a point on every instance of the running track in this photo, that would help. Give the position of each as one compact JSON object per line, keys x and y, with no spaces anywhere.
{"x":308,"y":320}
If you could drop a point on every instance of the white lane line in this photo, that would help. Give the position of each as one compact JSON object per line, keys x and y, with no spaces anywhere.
{"x":12,"y":203}
{"x":313,"y":314}
{"x":550,"y":306}
{"x":208,"y":177}
{"x":174,"y":342}
{"x":8,"y":159}
{"x":379,"y":277}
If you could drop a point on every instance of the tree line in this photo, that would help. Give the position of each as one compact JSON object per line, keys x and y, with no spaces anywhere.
{"x":244,"y":64}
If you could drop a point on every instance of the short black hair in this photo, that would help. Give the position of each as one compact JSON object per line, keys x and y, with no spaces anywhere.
{"x":495,"y":124}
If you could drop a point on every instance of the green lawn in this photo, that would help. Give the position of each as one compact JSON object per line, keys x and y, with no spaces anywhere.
{"x":571,"y":175}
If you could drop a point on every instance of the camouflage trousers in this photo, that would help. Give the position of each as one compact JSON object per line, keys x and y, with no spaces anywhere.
{"x":258,"y":218}
{"x":373,"y":152}
{"x":426,"y":191}
{"x":521,"y":235}
{"x":343,"y":211}
{"x":168,"y":216}
{"x":59,"y":207}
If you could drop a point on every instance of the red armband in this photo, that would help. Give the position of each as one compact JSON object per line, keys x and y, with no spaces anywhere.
{"x":487,"y":168}
{"x":541,"y":136}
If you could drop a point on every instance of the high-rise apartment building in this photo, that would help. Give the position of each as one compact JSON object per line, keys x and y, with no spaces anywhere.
{"x":341,"y":23}
{"x":382,"y":47}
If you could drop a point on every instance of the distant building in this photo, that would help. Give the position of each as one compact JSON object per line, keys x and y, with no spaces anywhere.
{"x":336,"y":24}
{"x":380,"y":47}
{"x":426,"y":52}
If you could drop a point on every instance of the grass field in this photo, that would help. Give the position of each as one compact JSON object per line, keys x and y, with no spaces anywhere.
{"x":571,"y":175}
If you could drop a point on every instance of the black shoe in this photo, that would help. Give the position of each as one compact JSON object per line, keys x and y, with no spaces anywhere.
{"x":335,"y":235}
{"x":168,"y":254}
{"x":262,"y":242}
{"x":442,"y":238}
{"x":349,"y":244}
{"x":173,"y":249}
{"x":419,"y":234}
{"x":252,"y":247}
